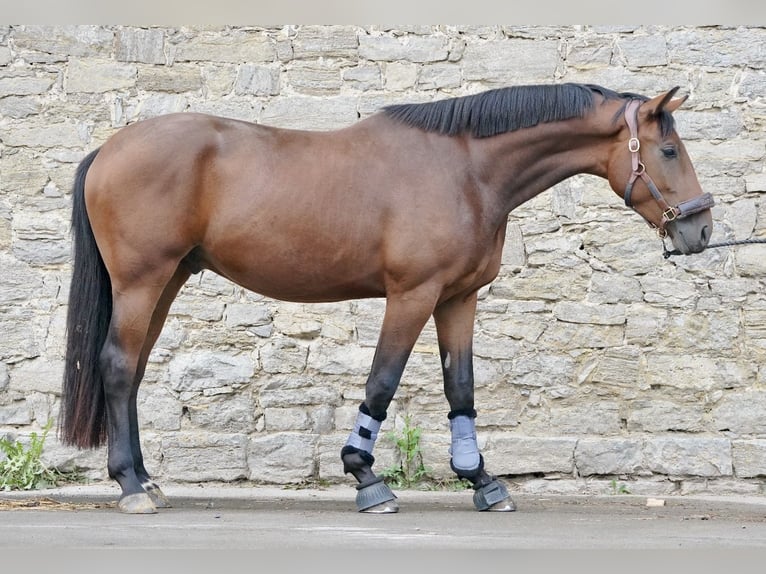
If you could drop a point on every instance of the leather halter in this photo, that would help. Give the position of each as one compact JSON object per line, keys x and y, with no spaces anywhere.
{"x":669,"y":213}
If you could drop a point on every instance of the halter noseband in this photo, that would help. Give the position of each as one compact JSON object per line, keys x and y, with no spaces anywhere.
{"x":669,"y":213}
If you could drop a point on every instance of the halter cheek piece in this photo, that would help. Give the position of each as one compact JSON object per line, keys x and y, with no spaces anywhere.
{"x":669,"y":213}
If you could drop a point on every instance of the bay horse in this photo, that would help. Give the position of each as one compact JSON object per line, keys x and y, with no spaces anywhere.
{"x":410,"y":204}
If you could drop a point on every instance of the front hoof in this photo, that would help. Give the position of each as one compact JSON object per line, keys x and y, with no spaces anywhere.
{"x":494,"y":497}
{"x":375,"y":497}
{"x":138,"y":503}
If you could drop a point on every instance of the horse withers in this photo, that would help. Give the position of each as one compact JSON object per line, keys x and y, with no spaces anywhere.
{"x":410,"y":204}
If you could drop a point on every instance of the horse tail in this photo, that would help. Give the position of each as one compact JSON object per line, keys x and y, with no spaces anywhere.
{"x":82,"y":420}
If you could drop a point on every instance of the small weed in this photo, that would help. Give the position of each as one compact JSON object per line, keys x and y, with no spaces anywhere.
{"x":411,"y":472}
{"x":23,"y":470}
{"x":619,"y":489}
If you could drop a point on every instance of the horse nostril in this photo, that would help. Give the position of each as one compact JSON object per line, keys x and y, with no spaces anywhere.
{"x":705,"y":235}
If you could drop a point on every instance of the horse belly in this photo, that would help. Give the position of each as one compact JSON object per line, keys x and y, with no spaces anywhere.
{"x":290,"y":272}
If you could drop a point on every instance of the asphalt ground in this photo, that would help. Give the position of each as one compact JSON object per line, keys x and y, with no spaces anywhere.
{"x":315,"y":529}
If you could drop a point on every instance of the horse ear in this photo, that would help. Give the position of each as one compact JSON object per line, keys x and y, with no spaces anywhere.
{"x":664,"y":102}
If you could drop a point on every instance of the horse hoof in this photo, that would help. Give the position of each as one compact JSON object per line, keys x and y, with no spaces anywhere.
{"x":494,"y":497}
{"x":506,"y":505}
{"x":138,"y":503}
{"x":388,"y":507}
{"x":158,"y":497}
{"x":375,"y":497}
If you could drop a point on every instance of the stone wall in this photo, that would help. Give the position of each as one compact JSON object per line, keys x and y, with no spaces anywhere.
{"x":596,"y":360}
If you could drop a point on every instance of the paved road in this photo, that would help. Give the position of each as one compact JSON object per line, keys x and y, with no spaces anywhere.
{"x":232,"y":517}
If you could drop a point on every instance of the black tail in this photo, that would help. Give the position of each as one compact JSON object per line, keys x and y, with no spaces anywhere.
{"x":82,"y":419}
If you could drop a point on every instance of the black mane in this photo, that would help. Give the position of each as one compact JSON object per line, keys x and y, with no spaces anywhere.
{"x":502,"y":110}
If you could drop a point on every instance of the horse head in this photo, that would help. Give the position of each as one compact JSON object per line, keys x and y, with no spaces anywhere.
{"x":651,"y":170}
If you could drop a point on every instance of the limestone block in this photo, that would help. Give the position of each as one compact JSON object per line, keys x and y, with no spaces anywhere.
{"x":756,"y":182}
{"x":256,"y":318}
{"x":20,"y":338}
{"x":257,"y":80}
{"x":642,"y":51}
{"x":344,"y":359}
{"x":41,"y":375}
{"x":749,"y":458}
{"x":708,"y":125}
{"x":235,"y":46}
{"x":16,"y":413}
{"x":284,"y":392}
{"x":400,"y":76}
{"x":158,"y":408}
{"x":408,"y":48}
{"x":439,"y":77}
{"x":741,"y":413}
{"x":283,"y":356}
{"x":179,"y":78}
{"x":205,"y":369}
{"x":751,"y":260}
{"x":286,"y":419}
{"x":683,"y":371}
{"x":508,"y":62}
{"x":140,"y":45}
{"x":604,"y":314}
{"x":713,"y":47}
{"x":585,"y":53}
{"x":67,"y":40}
{"x":363,"y":77}
{"x":282,"y":457}
{"x":685,"y":456}
{"x":657,"y":416}
{"x":225,"y":412}
{"x":205,"y":456}
{"x":325,"y":42}
{"x":305,"y":112}
{"x":86,"y":75}
{"x":595,"y":456}
{"x":24,"y":84}
{"x":524,"y":455}
{"x":589,"y":417}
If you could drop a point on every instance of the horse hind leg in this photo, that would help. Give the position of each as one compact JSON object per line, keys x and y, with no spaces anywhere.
{"x":454,"y":321}
{"x":159,"y":316}
{"x":122,"y":362}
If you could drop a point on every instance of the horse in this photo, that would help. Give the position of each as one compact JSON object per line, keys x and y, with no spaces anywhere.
{"x":409,"y":204}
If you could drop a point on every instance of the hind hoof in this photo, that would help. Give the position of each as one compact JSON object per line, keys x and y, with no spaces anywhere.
{"x":139,"y":503}
{"x":158,"y":497}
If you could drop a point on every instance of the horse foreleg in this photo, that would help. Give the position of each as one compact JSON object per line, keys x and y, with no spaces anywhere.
{"x":454,"y":321}
{"x":403,"y":321}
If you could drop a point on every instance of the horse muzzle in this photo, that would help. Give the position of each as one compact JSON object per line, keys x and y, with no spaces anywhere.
{"x":691,"y":233}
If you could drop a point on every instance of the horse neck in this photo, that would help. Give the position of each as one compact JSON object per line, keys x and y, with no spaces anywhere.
{"x":517,"y":166}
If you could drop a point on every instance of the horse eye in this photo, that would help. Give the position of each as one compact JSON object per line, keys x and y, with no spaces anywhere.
{"x":669,"y":152}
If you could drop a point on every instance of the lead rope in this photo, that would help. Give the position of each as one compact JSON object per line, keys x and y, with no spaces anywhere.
{"x":666,"y":254}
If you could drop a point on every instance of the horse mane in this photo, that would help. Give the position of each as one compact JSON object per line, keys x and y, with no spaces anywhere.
{"x":508,"y":109}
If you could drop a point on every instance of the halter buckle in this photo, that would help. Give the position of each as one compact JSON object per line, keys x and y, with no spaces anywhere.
{"x":670,"y":214}
{"x":634,"y":145}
